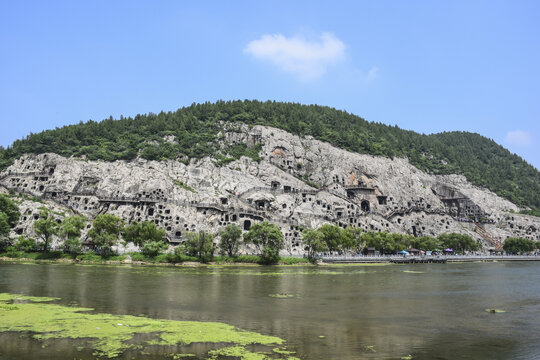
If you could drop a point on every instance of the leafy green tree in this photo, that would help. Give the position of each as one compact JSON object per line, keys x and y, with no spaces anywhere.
{"x":71,"y":226}
{"x":70,"y":231}
{"x":153,"y":248}
{"x":105,"y":232}
{"x":72,"y":246}
{"x":386,"y":243}
{"x":131,"y":233}
{"x":332,"y":235}
{"x":357,"y":242}
{"x":201,"y":245}
{"x":25,"y":244}
{"x":5,"y":244}
{"x":518,"y":245}
{"x":460,"y":243}
{"x":4,"y":225}
{"x":147,"y":236}
{"x":46,"y":227}
{"x":268,"y":239}
{"x":348,"y":238}
{"x":400,"y":241}
{"x":368,"y":239}
{"x":314,"y":242}
{"x":9,"y":216}
{"x":338,"y":239}
{"x":141,"y":233}
{"x":10,"y":210}
{"x":230,"y":240}
{"x":377,"y":241}
{"x":180,"y":251}
{"x":426,"y":243}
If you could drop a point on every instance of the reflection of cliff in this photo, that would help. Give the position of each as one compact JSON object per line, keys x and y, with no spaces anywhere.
{"x":298,"y":183}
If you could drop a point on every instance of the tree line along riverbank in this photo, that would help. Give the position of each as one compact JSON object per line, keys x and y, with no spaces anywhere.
{"x":263,"y":242}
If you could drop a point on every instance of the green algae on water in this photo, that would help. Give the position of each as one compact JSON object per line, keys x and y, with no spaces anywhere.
{"x":495,"y":311}
{"x":281,"y":296}
{"x":370,"y":348}
{"x":237,"y":352}
{"x":4,"y":297}
{"x":283,"y":351}
{"x":359,"y":264}
{"x":276,"y":273}
{"x":110,"y":335}
{"x":243,"y":353}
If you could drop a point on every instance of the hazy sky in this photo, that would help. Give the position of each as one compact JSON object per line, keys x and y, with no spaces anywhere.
{"x":429,"y":66}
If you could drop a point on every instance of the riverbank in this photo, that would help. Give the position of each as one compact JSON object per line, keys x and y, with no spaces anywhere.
{"x":427,"y":259}
{"x":130,"y":259}
{"x":249,"y":260}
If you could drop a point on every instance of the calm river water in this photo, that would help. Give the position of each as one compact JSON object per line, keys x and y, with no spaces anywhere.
{"x":427,"y":311}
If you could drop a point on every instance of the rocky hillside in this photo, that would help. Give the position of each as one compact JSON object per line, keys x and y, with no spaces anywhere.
{"x":195,"y":132}
{"x":289,"y":180}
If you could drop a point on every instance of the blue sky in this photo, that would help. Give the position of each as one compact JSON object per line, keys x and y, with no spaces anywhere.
{"x":428,"y":66}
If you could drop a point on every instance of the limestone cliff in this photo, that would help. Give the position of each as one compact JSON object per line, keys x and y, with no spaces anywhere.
{"x":300,"y":182}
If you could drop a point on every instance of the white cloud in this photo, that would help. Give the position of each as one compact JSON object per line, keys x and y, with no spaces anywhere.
{"x":306,"y":59}
{"x":518,"y":138}
{"x":372,"y":74}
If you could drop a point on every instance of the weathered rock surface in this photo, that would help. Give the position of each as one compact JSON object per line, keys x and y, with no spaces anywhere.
{"x":301,"y":182}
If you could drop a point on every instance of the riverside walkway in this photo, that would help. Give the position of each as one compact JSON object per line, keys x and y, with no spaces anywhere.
{"x":342,"y":259}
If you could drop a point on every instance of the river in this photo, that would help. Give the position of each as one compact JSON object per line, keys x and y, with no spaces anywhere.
{"x":422,"y":311}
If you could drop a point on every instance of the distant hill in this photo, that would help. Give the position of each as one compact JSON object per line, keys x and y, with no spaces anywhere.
{"x":196,"y":130}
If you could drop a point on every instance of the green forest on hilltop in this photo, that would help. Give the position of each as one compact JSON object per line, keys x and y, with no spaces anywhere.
{"x":196,"y":129}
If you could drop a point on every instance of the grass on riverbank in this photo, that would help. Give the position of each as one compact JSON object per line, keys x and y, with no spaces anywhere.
{"x":169,"y":258}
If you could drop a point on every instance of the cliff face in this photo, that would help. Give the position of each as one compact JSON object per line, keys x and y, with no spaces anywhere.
{"x":300,"y":182}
